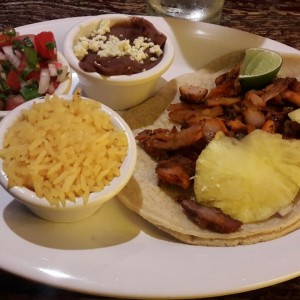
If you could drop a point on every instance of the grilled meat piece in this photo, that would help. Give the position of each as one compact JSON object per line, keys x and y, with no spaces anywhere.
{"x":227,"y":89}
{"x":229,"y":76}
{"x":227,"y":85}
{"x":224,"y":101}
{"x":209,"y":217}
{"x":292,"y":97}
{"x":238,"y":129}
{"x":184,"y":113}
{"x":163,"y":139}
{"x":212,"y":126}
{"x":144,"y":138}
{"x":275,"y":89}
{"x":269,"y":126}
{"x":192,"y":94}
{"x":253,"y":116}
{"x":291,"y":130}
{"x":177,"y":170}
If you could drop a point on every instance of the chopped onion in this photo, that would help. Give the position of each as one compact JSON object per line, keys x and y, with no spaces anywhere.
{"x":52,"y":70}
{"x":44,"y":81}
{"x":11,"y":56}
{"x":23,"y":83}
{"x":254,"y":117}
{"x":62,"y":76}
{"x":3,"y":75}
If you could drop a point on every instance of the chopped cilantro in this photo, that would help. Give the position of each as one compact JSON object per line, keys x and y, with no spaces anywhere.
{"x":3,"y":96}
{"x":3,"y":86}
{"x":27,"y":42}
{"x":30,"y":91}
{"x":6,"y":66}
{"x":50,"y":45}
{"x":26,"y":72}
{"x":17,"y":45}
{"x":11,"y":32}
{"x":31,"y":57}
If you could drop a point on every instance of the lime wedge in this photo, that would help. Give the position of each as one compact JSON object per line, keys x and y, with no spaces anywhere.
{"x":259,"y":68}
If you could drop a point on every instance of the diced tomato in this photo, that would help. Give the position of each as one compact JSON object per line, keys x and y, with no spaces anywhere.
{"x":13,"y":80}
{"x":5,"y":40}
{"x":46,"y":45}
{"x":13,"y":101}
{"x":35,"y":74}
{"x":43,"y":64}
{"x":53,"y":86}
{"x":58,"y":65}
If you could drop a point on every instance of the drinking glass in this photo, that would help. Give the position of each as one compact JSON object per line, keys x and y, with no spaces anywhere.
{"x":195,"y":10}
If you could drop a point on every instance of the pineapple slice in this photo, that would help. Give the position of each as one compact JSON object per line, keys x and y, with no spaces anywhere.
{"x":251,"y":179}
{"x":295,"y":115}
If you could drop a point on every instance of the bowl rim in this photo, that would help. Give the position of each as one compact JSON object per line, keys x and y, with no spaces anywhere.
{"x":156,"y":71}
{"x":28,"y":197}
{"x":63,"y":88}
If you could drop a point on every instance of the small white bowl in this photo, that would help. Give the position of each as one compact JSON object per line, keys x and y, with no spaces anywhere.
{"x":62,"y":89}
{"x":73,"y":211}
{"x":118,"y":92}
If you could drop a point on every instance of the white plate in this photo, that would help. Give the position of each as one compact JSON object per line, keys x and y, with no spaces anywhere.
{"x":115,"y":252}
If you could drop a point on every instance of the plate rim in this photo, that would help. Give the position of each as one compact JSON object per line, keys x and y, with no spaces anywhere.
{"x":9,"y":264}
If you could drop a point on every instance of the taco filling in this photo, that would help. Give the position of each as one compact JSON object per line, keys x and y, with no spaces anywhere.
{"x":220,"y":165}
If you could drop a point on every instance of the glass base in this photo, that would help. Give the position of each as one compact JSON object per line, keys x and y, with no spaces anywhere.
{"x":198,"y":14}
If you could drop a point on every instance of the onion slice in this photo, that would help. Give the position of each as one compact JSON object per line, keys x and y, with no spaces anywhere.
{"x":62,"y":76}
{"x":44,"y":81}
{"x":11,"y":56}
{"x":52,"y":70}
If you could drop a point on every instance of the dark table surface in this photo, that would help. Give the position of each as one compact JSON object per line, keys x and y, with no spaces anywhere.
{"x":275,"y":19}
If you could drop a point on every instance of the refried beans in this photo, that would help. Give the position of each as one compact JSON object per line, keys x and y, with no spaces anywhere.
{"x":142,"y":45}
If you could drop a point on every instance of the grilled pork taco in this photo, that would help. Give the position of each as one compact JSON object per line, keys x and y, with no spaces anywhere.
{"x":199,"y":218}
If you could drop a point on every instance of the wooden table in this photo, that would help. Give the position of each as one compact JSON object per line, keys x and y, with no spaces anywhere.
{"x":276,"y":19}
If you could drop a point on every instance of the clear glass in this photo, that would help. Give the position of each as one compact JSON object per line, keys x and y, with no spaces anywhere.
{"x":195,"y":10}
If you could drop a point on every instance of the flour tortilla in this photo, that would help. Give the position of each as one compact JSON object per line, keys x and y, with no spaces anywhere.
{"x":156,"y":203}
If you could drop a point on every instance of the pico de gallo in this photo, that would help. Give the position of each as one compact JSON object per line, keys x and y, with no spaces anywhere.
{"x":29,"y":67}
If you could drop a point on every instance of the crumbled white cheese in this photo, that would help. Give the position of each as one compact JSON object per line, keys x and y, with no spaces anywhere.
{"x":114,"y":47}
{"x":81,"y":49}
{"x":95,"y":45}
{"x":156,"y":50}
{"x":103,"y":28}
